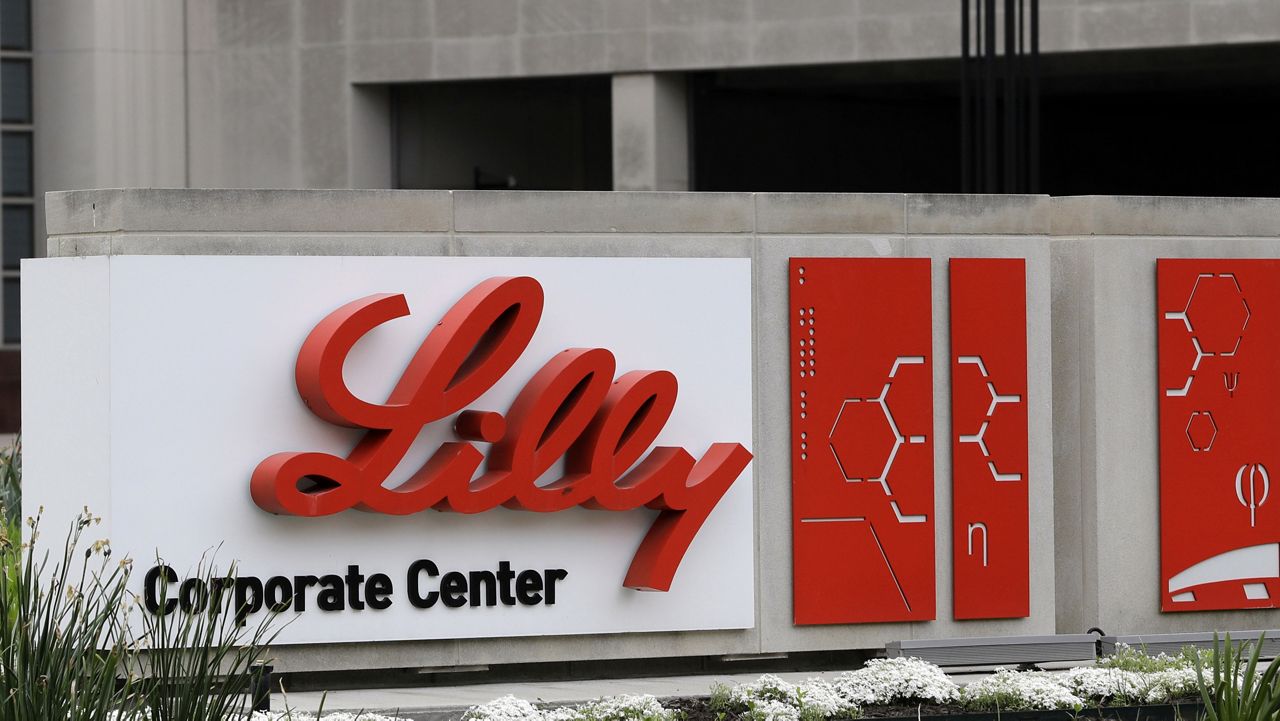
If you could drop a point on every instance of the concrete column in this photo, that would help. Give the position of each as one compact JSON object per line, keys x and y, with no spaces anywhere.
{"x":650,"y":132}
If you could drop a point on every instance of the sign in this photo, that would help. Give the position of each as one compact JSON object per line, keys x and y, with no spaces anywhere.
{"x":1219,"y":383}
{"x":989,"y":522}
{"x":862,"y":439}
{"x":252,"y":407}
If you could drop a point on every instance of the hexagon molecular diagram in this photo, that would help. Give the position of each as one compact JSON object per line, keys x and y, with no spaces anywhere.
{"x":862,"y":424}
{"x":990,"y":543}
{"x":1219,"y":398}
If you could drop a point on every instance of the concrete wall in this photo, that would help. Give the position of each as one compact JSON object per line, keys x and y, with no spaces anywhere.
{"x":276,"y":93}
{"x":1091,"y":341}
{"x":1106,"y":449}
{"x":768,"y":228}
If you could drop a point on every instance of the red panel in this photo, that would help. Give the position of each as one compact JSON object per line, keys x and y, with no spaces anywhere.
{"x":862,"y":440}
{"x":989,"y":438}
{"x":1219,"y":383}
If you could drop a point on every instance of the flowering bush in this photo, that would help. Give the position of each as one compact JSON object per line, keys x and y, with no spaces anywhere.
{"x":897,"y":680}
{"x":1007,"y":690}
{"x":771,"y":699}
{"x":612,"y":708}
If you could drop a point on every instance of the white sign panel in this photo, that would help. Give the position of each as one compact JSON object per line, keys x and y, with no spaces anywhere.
{"x":155,"y":388}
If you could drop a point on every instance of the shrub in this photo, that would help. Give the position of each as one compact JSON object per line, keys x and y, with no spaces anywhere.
{"x":1007,"y":690}
{"x":897,"y":680}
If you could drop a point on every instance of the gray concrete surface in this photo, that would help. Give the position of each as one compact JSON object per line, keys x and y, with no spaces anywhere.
{"x":1104,"y":372}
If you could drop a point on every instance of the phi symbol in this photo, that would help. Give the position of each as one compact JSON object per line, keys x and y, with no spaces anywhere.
{"x":1257,"y":472}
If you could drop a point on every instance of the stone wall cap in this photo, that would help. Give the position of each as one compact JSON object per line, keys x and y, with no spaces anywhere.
{"x":1165,"y":216}
{"x":246,"y":210}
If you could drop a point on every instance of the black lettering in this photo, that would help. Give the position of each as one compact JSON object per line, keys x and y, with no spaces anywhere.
{"x":279,"y":593}
{"x":300,"y":586}
{"x":453,"y":589}
{"x":415,"y":572}
{"x":155,"y":592}
{"x":220,"y":586}
{"x":505,"y":574}
{"x":377,"y":592}
{"x":528,"y":585}
{"x":486,"y":579}
{"x":330,"y":596}
{"x":248,"y":597}
{"x":193,"y":595}
{"x":354,"y":580}
{"x":553,"y":575}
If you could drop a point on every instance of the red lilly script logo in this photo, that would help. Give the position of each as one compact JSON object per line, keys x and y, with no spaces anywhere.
{"x":572,"y":407}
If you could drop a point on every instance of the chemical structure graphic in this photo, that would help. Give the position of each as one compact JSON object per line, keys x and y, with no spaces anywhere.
{"x":1215,"y":315}
{"x":858,"y":438}
{"x":996,"y":399}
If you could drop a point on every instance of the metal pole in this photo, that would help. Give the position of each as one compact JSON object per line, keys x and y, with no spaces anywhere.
{"x":1033,"y":163}
{"x":989,"y":102}
{"x":1010,"y":96}
{"x":966,"y":160}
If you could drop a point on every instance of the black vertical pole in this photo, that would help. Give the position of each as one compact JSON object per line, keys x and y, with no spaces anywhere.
{"x":1033,"y":130}
{"x":1010,"y":96}
{"x":989,"y":110}
{"x":1020,"y":127}
{"x":965,"y":150}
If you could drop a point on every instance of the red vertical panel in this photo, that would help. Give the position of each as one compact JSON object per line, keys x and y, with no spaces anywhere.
{"x":990,"y":545}
{"x":862,"y":440}
{"x":1219,"y":386}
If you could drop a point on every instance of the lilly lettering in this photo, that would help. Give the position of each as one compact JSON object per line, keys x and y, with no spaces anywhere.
{"x":572,"y":408}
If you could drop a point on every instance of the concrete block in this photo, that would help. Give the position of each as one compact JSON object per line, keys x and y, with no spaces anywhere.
{"x":684,"y":13}
{"x":249,"y":128}
{"x":1133,"y":24}
{"x":389,"y":62}
{"x":625,"y":14}
{"x":476,"y":18}
{"x":627,"y":50}
{"x":808,"y":41}
{"x":602,"y":212}
{"x":564,"y":53}
{"x":1234,"y":21}
{"x":475,"y":57}
{"x":622,"y":245}
{"x":977,"y":214}
{"x":255,"y":23}
{"x":324,"y":22}
{"x":393,"y":244}
{"x":925,"y":35}
{"x":802,"y":10}
{"x":836,"y":213}
{"x":374,"y":20}
{"x":103,"y":211}
{"x":1159,"y":216}
{"x":561,"y":16}
{"x":700,"y":46}
{"x":323,"y":117}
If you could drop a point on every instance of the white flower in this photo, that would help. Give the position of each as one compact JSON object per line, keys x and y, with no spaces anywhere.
{"x":1007,"y":690}
{"x":506,"y":708}
{"x":897,"y":680}
{"x":1171,"y":684}
{"x":622,"y":708}
{"x":1103,"y":685}
{"x":771,"y":710}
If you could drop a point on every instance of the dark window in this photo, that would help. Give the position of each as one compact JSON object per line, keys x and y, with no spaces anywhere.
{"x":15,"y":24}
{"x":12,"y":311}
{"x":15,"y":82}
{"x":16,"y":149}
{"x":17,"y":234}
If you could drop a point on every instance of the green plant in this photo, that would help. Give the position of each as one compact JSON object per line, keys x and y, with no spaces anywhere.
{"x":721,"y":700}
{"x":63,"y":640}
{"x":195,"y":664}
{"x":1235,"y":695}
{"x":11,"y":485}
{"x":1128,"y":658}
